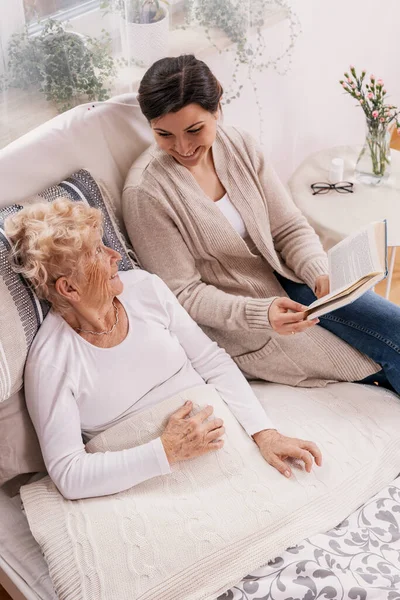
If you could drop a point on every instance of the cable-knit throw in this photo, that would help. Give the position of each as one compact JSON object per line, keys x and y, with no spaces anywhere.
{"x":194,"y":533}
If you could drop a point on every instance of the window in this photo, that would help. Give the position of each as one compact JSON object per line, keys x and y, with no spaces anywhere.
{"x":42,"y":9}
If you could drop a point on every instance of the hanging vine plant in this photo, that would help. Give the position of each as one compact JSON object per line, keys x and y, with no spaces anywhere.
{"x":243,"y":22}
{"x":225,"y":15}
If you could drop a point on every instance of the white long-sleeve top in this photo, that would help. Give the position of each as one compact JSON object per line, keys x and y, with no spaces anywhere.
{"x":76,"y":389}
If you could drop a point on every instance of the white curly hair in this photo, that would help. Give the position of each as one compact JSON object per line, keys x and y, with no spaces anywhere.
{"x":51,"y":240}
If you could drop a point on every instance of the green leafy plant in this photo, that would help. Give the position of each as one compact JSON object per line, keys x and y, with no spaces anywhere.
{"x":227,"y":15}
{"x":243,"y":22}
{"x":66,"y":67}
{"x":137,"y":11}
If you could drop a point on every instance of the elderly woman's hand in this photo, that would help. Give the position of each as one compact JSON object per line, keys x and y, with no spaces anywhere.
{"x":276,"y":448}
{"x":187,"y":437}
{"x":287,"y":316}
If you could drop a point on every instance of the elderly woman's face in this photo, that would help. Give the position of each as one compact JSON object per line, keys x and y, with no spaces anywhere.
{"x":186,"y":135}
{"x":101,"y":279}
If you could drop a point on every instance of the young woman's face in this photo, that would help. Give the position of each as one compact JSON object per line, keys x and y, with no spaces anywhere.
{"x":186,"y":135}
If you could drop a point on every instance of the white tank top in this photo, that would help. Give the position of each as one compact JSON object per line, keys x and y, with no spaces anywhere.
{"x":233,"y":216}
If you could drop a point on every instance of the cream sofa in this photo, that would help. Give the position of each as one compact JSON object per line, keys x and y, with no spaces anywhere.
{"x":104,"y":138}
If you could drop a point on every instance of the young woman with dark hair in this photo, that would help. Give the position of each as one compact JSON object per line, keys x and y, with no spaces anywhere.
{"x":208,"y":214}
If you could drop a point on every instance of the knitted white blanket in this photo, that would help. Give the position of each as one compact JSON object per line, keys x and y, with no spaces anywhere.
{"x":194,"y":533}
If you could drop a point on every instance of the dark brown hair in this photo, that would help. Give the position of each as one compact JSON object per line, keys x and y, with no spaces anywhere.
{"x":172,"y":83}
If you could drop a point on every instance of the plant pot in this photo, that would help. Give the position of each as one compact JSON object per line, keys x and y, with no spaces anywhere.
{"x":144,"y":43}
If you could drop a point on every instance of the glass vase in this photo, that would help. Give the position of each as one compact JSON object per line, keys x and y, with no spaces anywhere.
{"x":373,"y":164}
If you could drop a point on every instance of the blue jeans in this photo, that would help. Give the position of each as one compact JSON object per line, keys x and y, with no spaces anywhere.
{"x":371,"y":324}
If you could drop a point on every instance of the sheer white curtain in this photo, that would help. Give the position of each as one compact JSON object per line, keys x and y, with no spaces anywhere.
{"x":279,"y":61}
{"x":93,"y":49}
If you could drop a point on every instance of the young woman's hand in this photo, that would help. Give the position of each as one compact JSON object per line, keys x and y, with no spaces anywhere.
{"x":276,"y":448}
{"x":287,"y":316}
{"x":187,"y":437}
{"x":322,"y":286}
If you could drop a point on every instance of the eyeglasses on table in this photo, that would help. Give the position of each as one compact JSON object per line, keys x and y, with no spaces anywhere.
{"x":322,"y":187}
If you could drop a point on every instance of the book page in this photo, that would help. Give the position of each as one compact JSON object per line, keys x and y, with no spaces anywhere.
{"x":343,"y":300}
{"x":354,"y":258}
{"x":381,"y":244}
{"x":341,"y":292}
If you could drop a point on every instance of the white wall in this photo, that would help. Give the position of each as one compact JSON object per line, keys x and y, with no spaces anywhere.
{"x":306,"y":110}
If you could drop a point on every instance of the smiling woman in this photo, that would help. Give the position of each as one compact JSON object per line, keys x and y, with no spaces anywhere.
{"x":186,"y":143}
{"x":185,"y":129}
{"x":58,"y":248}
{"x":187,"y":136}
{"x":106,"y":330}
{"x":206,"y":198}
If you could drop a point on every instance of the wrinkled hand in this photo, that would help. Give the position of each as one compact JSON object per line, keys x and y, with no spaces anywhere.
{"x":187,"y":437}
{"x":322,"y":286}
{"x":287,"y":316}
{"x":276,"y":448}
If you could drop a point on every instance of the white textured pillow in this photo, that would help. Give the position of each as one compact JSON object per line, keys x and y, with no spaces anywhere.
{"x":194,"y":533}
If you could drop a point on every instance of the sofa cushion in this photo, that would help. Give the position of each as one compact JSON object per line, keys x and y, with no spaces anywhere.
{"x":19,"y":446}
{"x":103,"y":137}
{"x":21,"y":315}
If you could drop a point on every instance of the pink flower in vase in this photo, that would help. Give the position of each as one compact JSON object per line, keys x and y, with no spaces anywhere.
{"x":372,"y":78}
{"x":375,"y":114}
{"x":357,"y":93}
{"x":370,"y":95}
{"x":380,"y":82}
{"x":382,"y":120}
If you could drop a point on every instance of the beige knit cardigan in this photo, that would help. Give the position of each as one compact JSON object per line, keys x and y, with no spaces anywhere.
{"x":181,"y":235}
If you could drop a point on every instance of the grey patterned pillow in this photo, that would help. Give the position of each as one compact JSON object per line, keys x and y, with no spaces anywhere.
{"x":21,"y":311}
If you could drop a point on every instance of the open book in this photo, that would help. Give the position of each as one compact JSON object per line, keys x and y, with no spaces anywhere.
{"x":356,"y":264}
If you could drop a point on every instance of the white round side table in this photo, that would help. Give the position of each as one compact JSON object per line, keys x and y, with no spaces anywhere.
{"x":334,"y":216}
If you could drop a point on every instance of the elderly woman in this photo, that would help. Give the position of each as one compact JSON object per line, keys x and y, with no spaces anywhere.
{"x":113,"y":344}
{"x":208,"y":201}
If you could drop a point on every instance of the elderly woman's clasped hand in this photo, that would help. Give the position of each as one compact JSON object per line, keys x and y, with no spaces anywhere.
{"x":190,"y":436}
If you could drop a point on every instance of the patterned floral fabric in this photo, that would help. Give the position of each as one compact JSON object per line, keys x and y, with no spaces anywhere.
{"x":358,"y":560}
{"x":82,"y":187}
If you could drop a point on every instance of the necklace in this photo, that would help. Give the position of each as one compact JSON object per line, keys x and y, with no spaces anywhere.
{"x":102,"y":332}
